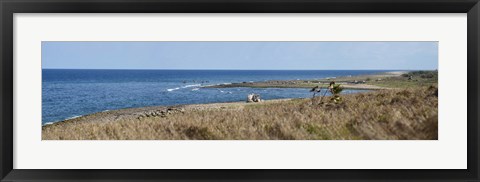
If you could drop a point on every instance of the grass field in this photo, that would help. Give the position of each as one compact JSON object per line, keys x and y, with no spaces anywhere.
{"x":409,"y":80}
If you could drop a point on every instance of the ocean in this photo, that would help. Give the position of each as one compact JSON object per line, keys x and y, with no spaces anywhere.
{"x":69,"y":93}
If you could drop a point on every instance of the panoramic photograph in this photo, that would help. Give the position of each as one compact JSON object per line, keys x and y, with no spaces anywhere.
{"x":246,"y":90}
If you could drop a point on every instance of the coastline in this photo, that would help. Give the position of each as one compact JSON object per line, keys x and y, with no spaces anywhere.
{"x":359,"y":82}
{"x":163,"y":111}
{"x":158,"y":111}
{"x":109,"y":115}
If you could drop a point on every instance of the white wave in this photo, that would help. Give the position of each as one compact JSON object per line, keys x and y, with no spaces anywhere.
{"x":186,"y":86}
{"x":194,"y":85}
{"x":73,"y":117}
{"x":172,"y":89}
{"x":47,"y":123}
{"x":195,"y":89}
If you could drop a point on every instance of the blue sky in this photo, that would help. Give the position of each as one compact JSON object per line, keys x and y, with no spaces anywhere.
{"x":241,"y":55}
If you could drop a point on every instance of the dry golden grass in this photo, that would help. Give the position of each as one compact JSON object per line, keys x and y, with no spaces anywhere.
{"x":385,"y":114}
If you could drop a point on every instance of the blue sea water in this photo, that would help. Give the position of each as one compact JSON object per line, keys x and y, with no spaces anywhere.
{"x":68,"y":93}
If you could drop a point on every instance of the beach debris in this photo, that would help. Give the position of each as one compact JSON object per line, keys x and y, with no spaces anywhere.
{"x":253,"y":98}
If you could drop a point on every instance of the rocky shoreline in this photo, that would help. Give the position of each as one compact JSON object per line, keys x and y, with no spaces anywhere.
{"x":154,"y":112}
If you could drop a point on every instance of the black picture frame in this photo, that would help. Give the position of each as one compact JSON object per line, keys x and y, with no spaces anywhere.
{"x":9,"y":7}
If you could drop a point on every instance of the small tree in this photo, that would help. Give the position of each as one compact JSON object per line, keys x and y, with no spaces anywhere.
{"x":333,"y":88}
{"x":336,"y":90}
